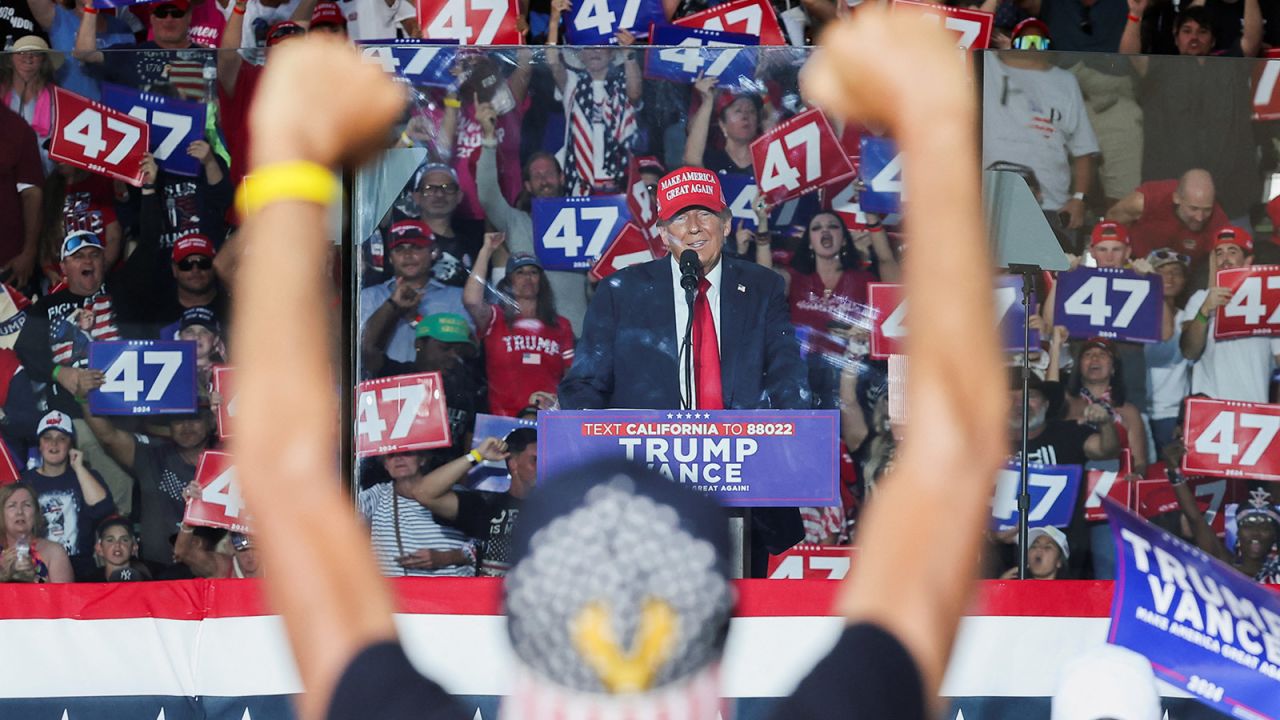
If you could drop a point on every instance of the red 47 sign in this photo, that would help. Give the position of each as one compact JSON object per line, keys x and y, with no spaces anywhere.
{"x":972,"y":26}
{"x":401,"y":414}
{"x":644,"y":209}
{"x":1231,"y":439}
{"x":1266,"y":102}
{"x":92,"y":136}
{"x":1254,"y":307}
{"x":1154,"y":496}
{"x":629,"y":248}
{"x":889,"y":313}
{"x":470,"y":22}
{"x":811,"y":562}
{"x":220,"y":503}
{"x":1100,"y":484}
{"x":750,"y":17}
{"x":224,"y":385}
{"x":797,"y":156}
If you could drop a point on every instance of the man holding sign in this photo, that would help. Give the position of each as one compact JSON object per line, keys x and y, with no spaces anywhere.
{"x":1233,"y":369}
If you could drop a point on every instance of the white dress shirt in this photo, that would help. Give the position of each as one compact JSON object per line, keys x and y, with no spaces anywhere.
{"x":682,"y":311}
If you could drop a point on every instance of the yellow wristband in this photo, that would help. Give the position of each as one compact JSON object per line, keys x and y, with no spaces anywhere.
{"x":476,"y":457}
{"x":452,"y":102}
{"x":299,"y":181}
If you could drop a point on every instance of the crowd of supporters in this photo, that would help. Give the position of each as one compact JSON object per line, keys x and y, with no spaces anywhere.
{"x":1138,"y":162}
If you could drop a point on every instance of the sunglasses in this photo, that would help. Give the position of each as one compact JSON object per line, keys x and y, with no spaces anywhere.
{"x":1162,"y":255}
{"x":195,"y":263}
{"x":78,"y":242}
{"x":168,"y":11}
{"x":1031,"y":42}
{"x":441,"y":189}
{"x":284,"y":32}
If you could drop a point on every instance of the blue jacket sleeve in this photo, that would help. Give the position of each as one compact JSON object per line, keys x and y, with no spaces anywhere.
{"x":589,"y":383}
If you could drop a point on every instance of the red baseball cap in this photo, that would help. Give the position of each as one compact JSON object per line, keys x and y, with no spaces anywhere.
{"x":689,"y":187}
{"x":283,"y":29}
{"x":409,"y":232}
{"x":1108,"y":231}
{"x":328,"y":13}
{"x":1232,"y":235}
{"x":193,"y":244}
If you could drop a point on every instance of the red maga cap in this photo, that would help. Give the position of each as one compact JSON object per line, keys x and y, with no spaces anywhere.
{"x":689,"y":187}
{"x":410,"y":232}
{"x":193,"y":244}
{"x":1232,"y":235}
{"x":328,"y":13}
{"x":1108,"y":231}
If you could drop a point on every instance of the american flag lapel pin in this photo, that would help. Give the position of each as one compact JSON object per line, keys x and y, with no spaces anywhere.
{"x":742,"y":288}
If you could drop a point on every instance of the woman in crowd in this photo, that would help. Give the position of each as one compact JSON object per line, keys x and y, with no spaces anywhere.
{"x":1098,"y":377}
{"x":827,"y":292}
{"x":27,"y":555}
{"x":527,"y":346}
{"x":26,"y":85}
{"x":406,"y":537}
{"x":740,"y":119}
{"x":601,"y":87}
{"x":1046,"y":556}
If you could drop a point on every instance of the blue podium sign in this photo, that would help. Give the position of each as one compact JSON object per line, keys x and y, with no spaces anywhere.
{"x":144,"y":377}
{"x":745,"y":458}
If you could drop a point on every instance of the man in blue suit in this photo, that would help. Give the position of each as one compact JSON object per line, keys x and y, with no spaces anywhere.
{"x":743,"y":347}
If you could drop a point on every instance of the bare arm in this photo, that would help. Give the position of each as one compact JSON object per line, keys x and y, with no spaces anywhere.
{"x":435,"y":489}
{"x":695,"y":145}
{"x":43,"y":13}
{"x":473,"y":292}
{"x":229,"y":60}
{"x":1129,"y":209}
{"x":903,"y":72}
{"x":120,"y":445}
{"x":1195,"y":332}
{"x":93,"y":491}
{"x":203,"y":562}
{"x":87,"y":39}
{"x":558,"y":73}
{"x":890,"y":270}
{"x":1137,"y":433}
{"x":1131,"y":38}
{"x":55,"y":558}
{"x":322,"y":569}
{"x":853,"y":424}
{"x":1251,"y":37}
{"x":1104,"y":444}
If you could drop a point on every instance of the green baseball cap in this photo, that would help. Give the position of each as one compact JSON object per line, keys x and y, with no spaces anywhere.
{"x":445,"y":327}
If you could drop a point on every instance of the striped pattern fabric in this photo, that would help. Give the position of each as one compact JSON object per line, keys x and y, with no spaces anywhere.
{"x":103,"y":329}
{"x":418,"y":530}
{"x":602,"y":128}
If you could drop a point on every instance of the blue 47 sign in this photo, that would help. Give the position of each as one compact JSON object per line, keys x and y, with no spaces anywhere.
{"x":1053,"y":490}
{"x":685,"y":54}
{"x":1110,"y":303}
{"x":880,"y":169}
{"x":570,"y":233}
{"x":144,"y":377}
{"x":175,"y":124}
{"x":594,"y":22}
{"x":421,"y":62}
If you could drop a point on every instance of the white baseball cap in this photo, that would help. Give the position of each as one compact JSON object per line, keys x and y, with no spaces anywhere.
{"x":1054,"y":534}
{"x":1106,"y":682}
{"x":55,"y":420}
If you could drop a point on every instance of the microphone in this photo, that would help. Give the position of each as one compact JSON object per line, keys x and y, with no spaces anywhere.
{"x":690,"y":270}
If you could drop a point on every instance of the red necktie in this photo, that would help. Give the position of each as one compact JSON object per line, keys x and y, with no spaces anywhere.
{"x":706,"y":352}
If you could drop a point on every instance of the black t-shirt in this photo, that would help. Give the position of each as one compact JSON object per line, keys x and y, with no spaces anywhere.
{"x":868,"y":675}
{"x":72,"y":521}
{"x":489,"y":516}
{"x":16,"y":21}
{"x":161,"y":474}
{"x":458,"y":253}
{"x":717,"y":160}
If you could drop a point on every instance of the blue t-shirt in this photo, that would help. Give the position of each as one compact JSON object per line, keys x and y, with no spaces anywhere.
{"x":62,"y":37}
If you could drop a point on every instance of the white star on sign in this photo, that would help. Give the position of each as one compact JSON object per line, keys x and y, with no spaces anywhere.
{"x":668,"y":417}
{"x":478,"y":716}
{"x":246,"y":715}
{"x":960,"y":714}
{"x":161,"y":715}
